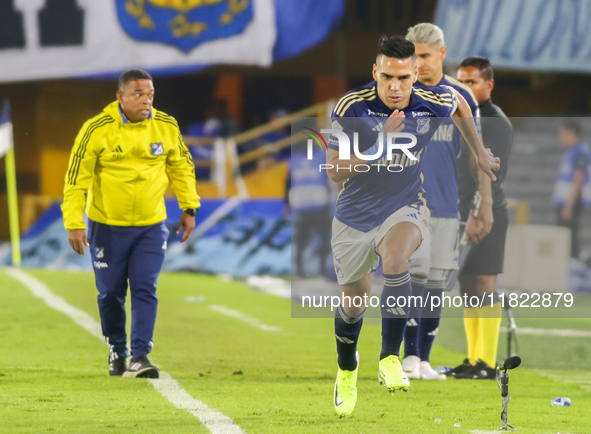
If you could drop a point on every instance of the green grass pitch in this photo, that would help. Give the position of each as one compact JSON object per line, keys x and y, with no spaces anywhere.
{"x":54,"y":374}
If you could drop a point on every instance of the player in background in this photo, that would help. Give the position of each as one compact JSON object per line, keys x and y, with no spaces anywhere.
{"x":381,"y":213}
{"x":485,"y":261}
{"x":309,"y":201}
{"x":439,"y":253}
{"x":572,"y":191}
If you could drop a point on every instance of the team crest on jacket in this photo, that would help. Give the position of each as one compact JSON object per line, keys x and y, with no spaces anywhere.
{"x":423,"y":125}
{"x":157,"y":149}
{"x":184,"y":24}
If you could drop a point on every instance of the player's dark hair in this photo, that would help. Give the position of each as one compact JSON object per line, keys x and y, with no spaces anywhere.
{"x":482,"y":64}
{"x":397,"y":47}
{"x":132,"y":75}
{"x":573,"y":126}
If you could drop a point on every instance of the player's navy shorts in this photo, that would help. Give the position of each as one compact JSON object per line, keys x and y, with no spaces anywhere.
{"x":488,"y":256}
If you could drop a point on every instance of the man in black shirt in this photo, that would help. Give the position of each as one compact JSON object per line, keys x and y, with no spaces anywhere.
{"x":483,"y":207}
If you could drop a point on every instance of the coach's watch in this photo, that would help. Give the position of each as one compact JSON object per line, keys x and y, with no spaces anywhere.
{"x":192,"y":211}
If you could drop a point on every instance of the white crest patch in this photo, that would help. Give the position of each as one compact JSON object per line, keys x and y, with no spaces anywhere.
{"x":423,"y":125}
{"x":336,"y":125}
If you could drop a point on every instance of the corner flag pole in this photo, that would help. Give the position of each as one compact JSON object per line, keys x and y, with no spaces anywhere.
{"x":7,"y":148}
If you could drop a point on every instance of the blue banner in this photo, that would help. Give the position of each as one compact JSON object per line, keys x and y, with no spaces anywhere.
{"x":540,"y":35}
{"x":240,"y":238}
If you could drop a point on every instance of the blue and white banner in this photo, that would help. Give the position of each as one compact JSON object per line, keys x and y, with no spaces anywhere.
{"x":90,"y":37}
{"x":42,"y":39}
{"x":541,"y":35}
{"x":236,"y":237}
{"x":6,"y":141}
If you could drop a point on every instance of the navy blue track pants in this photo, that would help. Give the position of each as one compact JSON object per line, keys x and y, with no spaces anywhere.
{"x":119,"y":254}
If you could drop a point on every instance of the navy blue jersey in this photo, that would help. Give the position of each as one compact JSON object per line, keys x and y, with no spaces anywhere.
{"x":441,"y":157}
{"x":369,"y":198}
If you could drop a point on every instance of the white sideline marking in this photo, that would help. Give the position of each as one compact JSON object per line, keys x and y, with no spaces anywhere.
{"x":550,"y":332}
{"x":214,"y":421}
{"x":40,"y":290}
{"x":248,"y":320}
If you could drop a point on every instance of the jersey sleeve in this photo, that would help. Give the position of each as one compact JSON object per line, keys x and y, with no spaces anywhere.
{"x":443,"y":101}
{"x":472,"y":103}
{"x":80,"y":172}
{"x":181,"y":171}
{"x":581,"y":162}
{"x":497,"y":134}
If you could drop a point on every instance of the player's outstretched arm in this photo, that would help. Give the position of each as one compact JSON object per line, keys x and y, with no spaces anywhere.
{"x":465,"y":123}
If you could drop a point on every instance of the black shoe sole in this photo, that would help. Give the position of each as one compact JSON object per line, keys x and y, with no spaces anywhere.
{"x":151,"y":372}
{"x":455,"y":373}
{"x":476,"y":374}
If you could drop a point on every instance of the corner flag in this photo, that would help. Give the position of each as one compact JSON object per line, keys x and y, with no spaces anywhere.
{"x":7,"y":149}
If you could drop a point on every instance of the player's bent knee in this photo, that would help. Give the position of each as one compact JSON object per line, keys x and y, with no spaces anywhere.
{"x":395,"y":264}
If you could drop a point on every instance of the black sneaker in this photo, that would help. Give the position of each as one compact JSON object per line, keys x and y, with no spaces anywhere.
{"x":465,"y":366}
{"x":117,"y":365}
{"x":480,"y":371}
{"x":141,"y":367}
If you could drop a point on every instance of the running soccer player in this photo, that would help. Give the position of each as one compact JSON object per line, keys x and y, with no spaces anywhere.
{"x":485,"y":262}
{"x":438,"y":254}
{"x":381,"y":213}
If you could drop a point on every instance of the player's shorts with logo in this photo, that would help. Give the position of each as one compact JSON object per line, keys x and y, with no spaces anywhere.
{"x":355,"y":252}
{"x":441,"y":245}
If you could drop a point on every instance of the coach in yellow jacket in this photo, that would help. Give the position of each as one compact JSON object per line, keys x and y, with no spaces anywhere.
{"x":122,"y":160}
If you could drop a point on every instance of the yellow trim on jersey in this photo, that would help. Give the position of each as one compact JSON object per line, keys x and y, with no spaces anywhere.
{"x":422,"y":199}
{"x":440,"y":96}
{"x":356,"y":100}
{"x":463,"y":86}
{"x":353,"y":96}
{"x":429,"y":92}
{"x":434,"y":99}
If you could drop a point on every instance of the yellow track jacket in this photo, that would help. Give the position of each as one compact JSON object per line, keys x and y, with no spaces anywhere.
{"x":125,"y":168}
